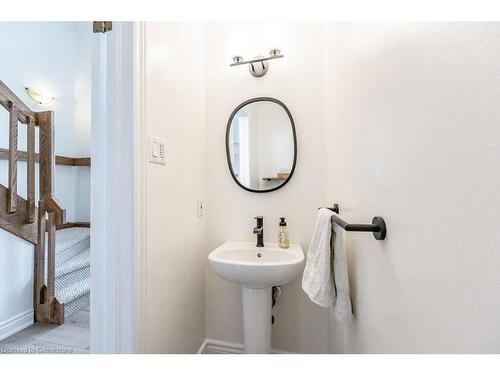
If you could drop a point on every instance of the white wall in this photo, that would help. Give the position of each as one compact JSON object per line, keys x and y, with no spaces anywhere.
{"x":45,"y":57}
{"x":297,"y":80}
{"x":82,"y":118}
{"x":175,"y":253}
{"x":412,"y":119}
{"x":16,"y":278}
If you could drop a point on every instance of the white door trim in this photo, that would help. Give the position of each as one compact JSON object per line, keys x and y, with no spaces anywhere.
{"x":118,"y":191}
{"x":140,"y":188}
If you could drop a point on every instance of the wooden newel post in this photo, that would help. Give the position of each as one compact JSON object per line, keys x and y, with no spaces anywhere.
{"x":47,"y":156}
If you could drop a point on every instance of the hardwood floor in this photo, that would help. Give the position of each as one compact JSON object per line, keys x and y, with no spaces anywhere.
{"x":69,"y":338}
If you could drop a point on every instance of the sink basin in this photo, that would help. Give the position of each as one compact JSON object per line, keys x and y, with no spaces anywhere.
{"x":256,"y":267}
{"x":257,"y":270}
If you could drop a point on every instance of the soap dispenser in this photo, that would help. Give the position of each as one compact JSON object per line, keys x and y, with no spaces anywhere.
{"x":283,"y":240}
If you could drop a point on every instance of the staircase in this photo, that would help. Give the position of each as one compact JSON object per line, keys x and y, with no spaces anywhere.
{"x":72,"y":276}
{"x":62,"y":258}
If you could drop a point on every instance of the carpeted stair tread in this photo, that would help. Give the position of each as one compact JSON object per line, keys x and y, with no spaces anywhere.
{"x":71,"y":242}
{"x":72,"y":278}
{"x":76,"y":305}
{"x":73,"y":264}
{"x":73,"y":291}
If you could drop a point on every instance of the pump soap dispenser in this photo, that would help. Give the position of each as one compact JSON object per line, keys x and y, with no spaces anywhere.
{"x":283,"y":240}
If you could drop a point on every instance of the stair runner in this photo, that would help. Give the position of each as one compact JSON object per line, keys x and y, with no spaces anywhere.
{"x":72,"y":279}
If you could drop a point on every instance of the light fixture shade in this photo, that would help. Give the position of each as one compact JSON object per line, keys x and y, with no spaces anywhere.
{"x":40,"y":98}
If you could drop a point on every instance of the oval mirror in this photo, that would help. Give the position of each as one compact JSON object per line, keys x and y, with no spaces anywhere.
{"x":261,"y":145}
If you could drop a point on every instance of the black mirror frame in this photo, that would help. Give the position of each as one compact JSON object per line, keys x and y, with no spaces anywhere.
{"x":228,"y":129}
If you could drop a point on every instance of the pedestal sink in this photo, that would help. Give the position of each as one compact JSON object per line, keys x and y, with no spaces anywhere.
{"x":257,"y":270}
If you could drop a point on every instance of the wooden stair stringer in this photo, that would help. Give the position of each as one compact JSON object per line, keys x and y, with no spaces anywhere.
{"x":16,"y":223}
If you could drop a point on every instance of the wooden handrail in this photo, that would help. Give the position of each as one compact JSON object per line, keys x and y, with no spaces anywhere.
{"x":7,"y":97}
{"x":60,"y":160}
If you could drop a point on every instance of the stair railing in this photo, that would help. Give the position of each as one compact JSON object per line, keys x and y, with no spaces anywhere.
{"x":20,"y":217}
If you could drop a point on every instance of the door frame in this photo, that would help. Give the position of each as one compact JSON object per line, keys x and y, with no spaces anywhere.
{"x":118,"y":191}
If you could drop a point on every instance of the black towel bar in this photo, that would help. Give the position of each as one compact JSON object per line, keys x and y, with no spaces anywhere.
{"x":377,"y":226}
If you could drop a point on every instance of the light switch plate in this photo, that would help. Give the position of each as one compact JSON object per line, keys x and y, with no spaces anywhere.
{"x":156,"y":150}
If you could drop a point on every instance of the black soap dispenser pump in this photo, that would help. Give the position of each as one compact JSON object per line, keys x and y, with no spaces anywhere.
{"x":283,"y":240}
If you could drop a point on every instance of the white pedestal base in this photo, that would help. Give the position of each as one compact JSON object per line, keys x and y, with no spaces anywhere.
{"x":257,"y":314}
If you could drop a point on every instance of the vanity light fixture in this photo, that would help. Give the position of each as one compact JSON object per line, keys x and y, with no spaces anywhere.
{"x":40,"y":98}
{"x":258,"y":66}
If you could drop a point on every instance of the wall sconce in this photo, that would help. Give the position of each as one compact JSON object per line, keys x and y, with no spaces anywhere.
{"x":258,"y":66}
{"x":40,"y":98}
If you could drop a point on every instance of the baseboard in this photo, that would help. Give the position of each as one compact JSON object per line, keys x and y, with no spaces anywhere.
{"x":221,"y":347}
{"x":210,"y":346}
{"x":17,"y":323}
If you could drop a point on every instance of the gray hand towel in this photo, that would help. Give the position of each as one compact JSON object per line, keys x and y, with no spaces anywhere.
{"x":328,"y":285}
{"x":317,"y":280}
{"x":342,"y":307}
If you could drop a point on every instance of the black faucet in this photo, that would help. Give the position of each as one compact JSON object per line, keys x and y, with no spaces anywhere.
{"x":259,"y":231}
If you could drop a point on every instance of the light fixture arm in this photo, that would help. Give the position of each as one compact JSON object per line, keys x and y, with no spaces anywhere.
{"x":256,"y":70}
{"x":255,"y":60}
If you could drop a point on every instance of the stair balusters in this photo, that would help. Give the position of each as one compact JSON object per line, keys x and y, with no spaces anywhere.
{"x":12,"y":192}
{"x":19,"y":216}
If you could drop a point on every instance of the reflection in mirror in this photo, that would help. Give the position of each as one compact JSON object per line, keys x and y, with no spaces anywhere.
{"x":261,"y":145}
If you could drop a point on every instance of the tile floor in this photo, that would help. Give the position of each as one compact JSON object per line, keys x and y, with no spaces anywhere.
{"x":70,"y":338}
